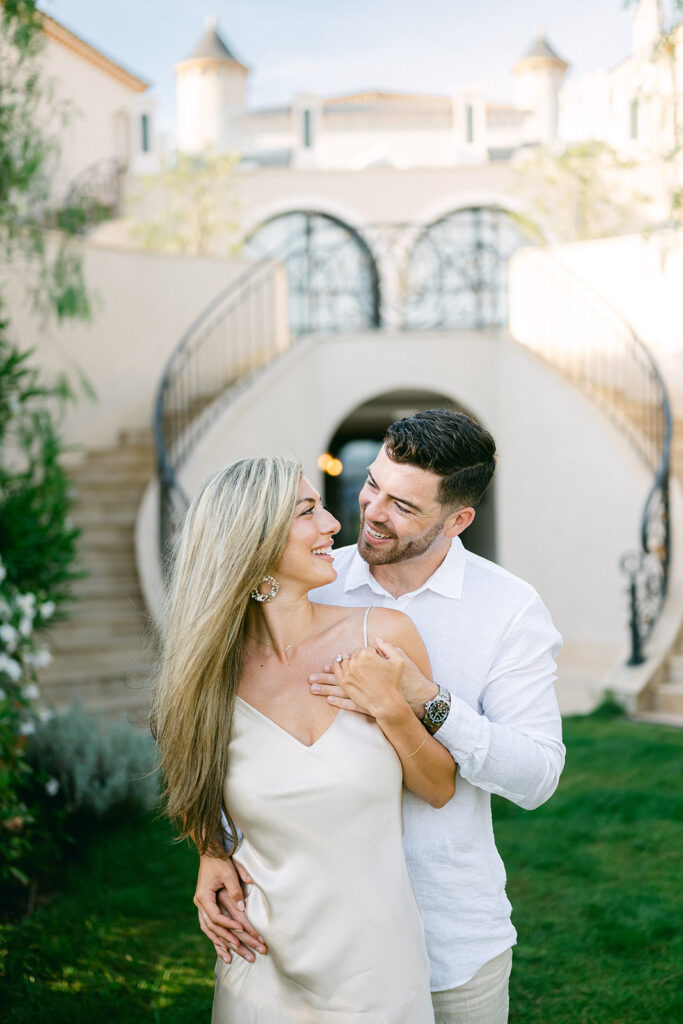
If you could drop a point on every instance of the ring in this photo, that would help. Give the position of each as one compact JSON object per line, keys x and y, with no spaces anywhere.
{"x":340,"y":658}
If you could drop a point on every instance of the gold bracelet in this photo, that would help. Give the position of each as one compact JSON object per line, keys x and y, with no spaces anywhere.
{"x":419,"y":748}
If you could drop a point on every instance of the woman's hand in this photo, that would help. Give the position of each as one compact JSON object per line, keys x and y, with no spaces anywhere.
{"x":371,"y":678}
{"x":219,"y":899}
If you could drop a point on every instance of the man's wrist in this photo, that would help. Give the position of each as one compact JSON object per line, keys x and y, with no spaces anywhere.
{"x":430,"y":691}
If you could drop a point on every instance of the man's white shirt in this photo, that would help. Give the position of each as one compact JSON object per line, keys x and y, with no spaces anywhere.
{"x":492,"y":644}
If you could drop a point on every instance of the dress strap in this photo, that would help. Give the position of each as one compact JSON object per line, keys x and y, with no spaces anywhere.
{"x":365,"y":627}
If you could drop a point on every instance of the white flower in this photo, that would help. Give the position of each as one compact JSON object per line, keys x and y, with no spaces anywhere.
{"x":3,"y":693}
{"x":45,"y":715}
{"x":47,"y":609}
{"x":52,"y":787}
{"x":27,"y":604}
{"x":10,"y":667}
{"x":5,"y":610}
{"x":3,"y":572}
{"x":9,"y":636}
{"x":25,"y":626}
{"x":27,"y":728}
{"x":30,"y":691}
{"x":39,"y":658}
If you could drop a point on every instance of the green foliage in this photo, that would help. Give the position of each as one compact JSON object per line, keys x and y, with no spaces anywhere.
{"x":31,"y":120}
{"x":95,"y":770}
{"x":37,"y":550}
{"x":191,"y":206}
{"x":577,"y":193}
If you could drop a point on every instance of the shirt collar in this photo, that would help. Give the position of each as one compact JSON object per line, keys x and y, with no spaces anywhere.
{"x":447,"y":580}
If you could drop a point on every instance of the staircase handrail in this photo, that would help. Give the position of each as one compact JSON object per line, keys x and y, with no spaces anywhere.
{"x":648,"y":567}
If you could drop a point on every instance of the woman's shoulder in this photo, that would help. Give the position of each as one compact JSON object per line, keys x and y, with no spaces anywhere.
{"x":389,"y":623}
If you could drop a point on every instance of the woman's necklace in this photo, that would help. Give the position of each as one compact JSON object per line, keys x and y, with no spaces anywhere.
{"x":286,"y":650}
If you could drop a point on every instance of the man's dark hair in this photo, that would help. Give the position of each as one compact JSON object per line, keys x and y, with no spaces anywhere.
{"x":450,"y":444}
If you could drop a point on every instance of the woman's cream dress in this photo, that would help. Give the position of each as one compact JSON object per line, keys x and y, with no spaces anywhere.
{"x":331,"y":896}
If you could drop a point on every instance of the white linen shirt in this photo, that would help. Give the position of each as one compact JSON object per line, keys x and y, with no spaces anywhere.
{"x":491,"y":642}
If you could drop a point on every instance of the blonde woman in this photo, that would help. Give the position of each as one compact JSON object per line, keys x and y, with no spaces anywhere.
{"x":314,"y":791}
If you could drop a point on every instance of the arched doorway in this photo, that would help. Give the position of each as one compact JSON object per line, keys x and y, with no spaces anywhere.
{"x":355,"y":444}
{"x":332,"y":275}
{"x":457,"y":270}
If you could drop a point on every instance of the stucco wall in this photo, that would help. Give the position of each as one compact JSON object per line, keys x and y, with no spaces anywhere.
{"x":641,"y":278}
{"x":143,"y":304}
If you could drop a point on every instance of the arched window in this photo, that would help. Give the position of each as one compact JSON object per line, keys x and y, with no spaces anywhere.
{"x":457,"y":272}
{"x":332,"y":276}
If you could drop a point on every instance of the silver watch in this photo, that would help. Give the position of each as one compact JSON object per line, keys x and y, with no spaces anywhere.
{"x":436,"y":710}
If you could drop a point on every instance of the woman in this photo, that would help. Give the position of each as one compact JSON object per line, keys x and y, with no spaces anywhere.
{"x":315,"y":792}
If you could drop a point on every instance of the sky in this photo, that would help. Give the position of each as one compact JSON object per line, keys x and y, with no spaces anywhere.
{"x":337,"y":46}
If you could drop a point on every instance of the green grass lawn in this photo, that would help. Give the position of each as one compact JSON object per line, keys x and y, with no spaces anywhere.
{"x":594,"y":877}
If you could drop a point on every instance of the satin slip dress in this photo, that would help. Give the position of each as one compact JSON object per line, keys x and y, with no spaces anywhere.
{"x":322,"y":839}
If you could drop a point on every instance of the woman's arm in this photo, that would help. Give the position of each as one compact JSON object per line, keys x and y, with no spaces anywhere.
{"x":372,"y":678}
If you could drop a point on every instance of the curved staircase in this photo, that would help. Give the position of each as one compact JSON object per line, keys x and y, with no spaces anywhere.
{"x":99,"y":653}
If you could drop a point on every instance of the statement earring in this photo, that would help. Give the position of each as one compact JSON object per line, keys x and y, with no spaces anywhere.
{"x":256,"y":594}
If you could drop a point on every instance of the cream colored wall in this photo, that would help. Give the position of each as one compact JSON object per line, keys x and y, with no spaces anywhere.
{"x":95,"y":98}
{"x":143,"y":304}
{"x":641,"y":279}
{"x":569,"y":492}
{"x":375,"y":194}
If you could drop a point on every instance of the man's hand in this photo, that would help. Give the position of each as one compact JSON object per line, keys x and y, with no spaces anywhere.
{"x":219,"y":899}
{"x":416,"y":688}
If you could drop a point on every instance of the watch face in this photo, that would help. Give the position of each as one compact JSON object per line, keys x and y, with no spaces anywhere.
{"x":437,"y":710}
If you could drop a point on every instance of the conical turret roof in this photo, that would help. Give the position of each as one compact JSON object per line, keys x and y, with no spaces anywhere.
{"x":212,"y":46}
{"x":540,"y":53}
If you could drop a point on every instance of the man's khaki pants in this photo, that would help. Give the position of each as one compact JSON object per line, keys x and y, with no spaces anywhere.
{"x":481,"y":1000}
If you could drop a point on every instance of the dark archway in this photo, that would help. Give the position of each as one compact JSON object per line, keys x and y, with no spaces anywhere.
{"x":332,"y":275}
{"x":457,"y":271}
{"x":357,"y":440}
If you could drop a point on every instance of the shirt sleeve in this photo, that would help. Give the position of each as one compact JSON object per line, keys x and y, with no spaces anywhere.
{"x":512,"y":745}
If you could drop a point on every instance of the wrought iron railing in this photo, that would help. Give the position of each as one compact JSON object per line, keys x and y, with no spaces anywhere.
{"x":577,"y":331}
{"x":243,"y":329}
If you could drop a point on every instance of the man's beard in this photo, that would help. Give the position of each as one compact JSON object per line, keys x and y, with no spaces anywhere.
{"x":397,"y":552}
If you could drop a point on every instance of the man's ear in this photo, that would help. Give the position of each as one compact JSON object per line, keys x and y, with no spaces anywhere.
{"x":458,"y":522}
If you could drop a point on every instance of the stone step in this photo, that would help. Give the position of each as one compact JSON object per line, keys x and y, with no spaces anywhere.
{"x":101,"y":665}
{"x":112,"y":695}
{"x":676,"y":668}
{"x":668,"y":698}
{"x":658,"y":718}
{"x":125,"y":585}
{"x":122,"y":489}
{"x":97,"y":636}
{"x":103,"y":519}
{"x":117,"y":613}
{"x":110,"y":562}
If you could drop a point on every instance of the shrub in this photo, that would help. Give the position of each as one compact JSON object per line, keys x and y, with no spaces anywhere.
{"x":91,"y":769}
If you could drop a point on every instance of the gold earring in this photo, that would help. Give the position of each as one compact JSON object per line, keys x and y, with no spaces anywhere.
{"x":256,"y":594}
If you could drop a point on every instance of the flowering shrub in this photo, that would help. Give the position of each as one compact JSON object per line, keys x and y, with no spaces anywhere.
{"x":37,"y":550}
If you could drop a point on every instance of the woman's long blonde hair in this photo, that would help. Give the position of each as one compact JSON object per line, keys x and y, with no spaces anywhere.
{"x":234,"y":533}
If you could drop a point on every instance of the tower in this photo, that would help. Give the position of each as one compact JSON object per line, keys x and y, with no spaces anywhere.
{"x":647,"y":27}
{"x":538,"y":77}
{"x":211,"y":87}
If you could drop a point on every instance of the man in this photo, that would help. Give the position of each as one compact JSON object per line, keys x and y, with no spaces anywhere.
{"x":492,"y":703}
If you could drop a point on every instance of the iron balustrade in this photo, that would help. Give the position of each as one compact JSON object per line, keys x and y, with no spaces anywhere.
{"x":579,"y":333}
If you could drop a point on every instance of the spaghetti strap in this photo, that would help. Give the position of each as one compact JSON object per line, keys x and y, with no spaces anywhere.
{"x":365,"y":627}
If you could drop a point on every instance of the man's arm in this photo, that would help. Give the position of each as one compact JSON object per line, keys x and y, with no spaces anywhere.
{"x":219,"y":898}
{"x":511,"y":745}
